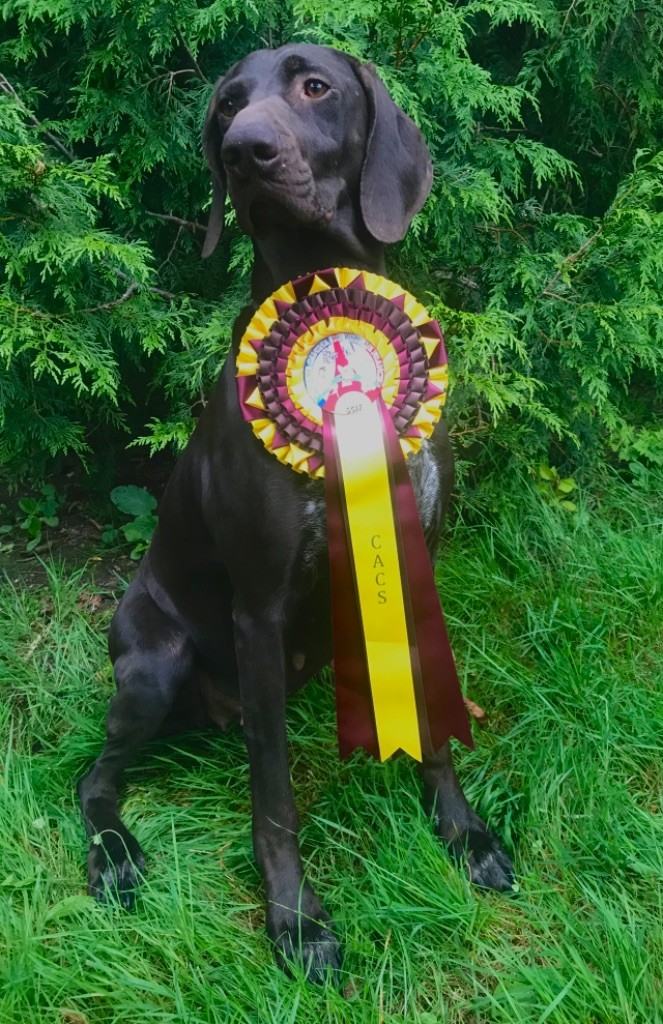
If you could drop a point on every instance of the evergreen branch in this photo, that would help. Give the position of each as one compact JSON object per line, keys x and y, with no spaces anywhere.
{"x":9,"y":90}
{"x":532,"y":133}
{"x":567,"y":262}
{"x":201,"y":390}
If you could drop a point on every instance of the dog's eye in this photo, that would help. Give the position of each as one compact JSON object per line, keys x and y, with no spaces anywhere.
{"x":227,"y":107}
{"x":314,"y":88}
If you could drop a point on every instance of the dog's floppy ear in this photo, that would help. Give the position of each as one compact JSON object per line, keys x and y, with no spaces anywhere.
{"x":212,"y":150}
{"x":397,"y":174}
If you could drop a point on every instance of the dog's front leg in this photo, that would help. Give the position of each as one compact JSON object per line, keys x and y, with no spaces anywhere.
{"x":467,"y":838}
{"x":296,"y":921}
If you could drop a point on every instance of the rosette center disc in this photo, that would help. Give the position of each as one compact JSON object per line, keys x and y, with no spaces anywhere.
{"x":341,"y":363}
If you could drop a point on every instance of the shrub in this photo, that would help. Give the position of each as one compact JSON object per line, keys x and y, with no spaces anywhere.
{"x":540,"y":249}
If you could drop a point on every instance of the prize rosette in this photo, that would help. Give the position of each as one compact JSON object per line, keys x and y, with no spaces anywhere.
{"x":342,"y":374}
{"x":329,"y":335}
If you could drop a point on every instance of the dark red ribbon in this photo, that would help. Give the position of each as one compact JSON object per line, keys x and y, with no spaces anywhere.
{"x":440,"y":708}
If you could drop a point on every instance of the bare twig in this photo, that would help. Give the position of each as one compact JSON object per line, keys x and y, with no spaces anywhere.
{"x":497,"y":229}
{"x":39,"y":314}
{"x":173,"y":74}
{"x":622,"y":103}
{"x":468,"y":431}
{"x":155,"y":291}
{"x":548,"y":340}
{"x":555,"y":295}
{"x":418,"y":39}
{"x":132,"y":290}
{"x":171,"y":250}
{"x":568,"y":15}
{"x":199,"y":72}
{"x":129,"y":294}
{"x":446,"y":275}
{"x":169,"y":218}
{"x":163,"y":294}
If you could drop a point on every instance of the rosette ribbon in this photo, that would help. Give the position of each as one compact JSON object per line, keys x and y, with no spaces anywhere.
{"x":342,"y":375}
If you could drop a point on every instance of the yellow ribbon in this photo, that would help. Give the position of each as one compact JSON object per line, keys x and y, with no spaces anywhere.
{"x":368,"y":502}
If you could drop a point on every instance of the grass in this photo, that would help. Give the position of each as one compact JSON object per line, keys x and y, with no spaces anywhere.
{"x":556,"y":621}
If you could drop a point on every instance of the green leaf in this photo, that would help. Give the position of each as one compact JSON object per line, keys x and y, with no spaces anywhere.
{"x":28,"y":505}
{"x":141,"y":528}
{"x":132,"y":500}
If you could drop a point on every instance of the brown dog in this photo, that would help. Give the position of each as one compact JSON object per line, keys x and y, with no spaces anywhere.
{"x":229,"y":611}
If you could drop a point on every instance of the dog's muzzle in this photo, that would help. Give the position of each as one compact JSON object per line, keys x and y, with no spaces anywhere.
{"x":266,"y":169}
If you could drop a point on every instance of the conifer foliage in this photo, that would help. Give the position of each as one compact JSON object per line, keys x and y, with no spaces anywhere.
{"x":540,"y":250}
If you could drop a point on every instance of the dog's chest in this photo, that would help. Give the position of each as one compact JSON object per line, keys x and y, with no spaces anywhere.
{"x":425,"y":477}
{"x":314,"y":528}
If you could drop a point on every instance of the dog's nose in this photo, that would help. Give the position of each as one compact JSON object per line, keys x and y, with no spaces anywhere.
{"x":250,"y":147}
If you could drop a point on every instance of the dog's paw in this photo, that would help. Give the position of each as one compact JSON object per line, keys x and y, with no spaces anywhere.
{"x":303,"y":938}
{"x":479,"y":850}
{"x":313,"y":950}
{"x":309,"y":946}
{"x":116,"y":867}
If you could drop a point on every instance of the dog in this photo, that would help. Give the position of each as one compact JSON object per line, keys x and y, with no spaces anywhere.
{"x":229,"y":611}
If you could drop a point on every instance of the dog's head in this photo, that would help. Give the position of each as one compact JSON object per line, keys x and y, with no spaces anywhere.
{"x":294,"y":133}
